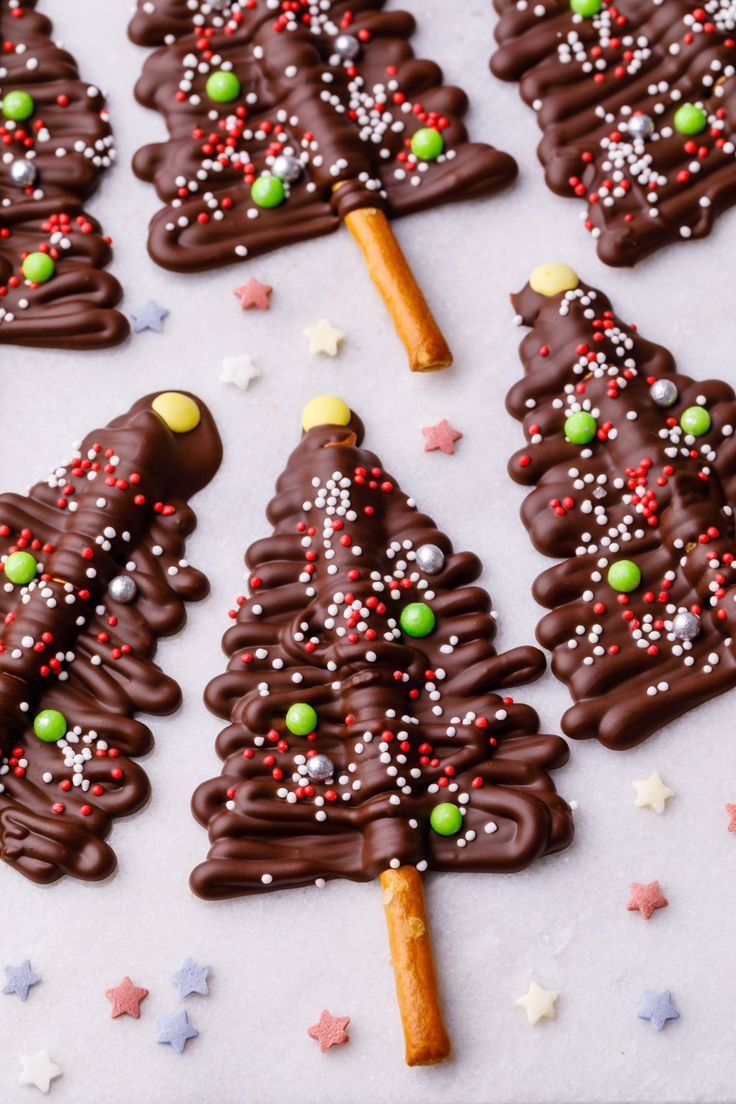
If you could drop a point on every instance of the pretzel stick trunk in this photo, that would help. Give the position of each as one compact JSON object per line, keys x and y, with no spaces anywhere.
{"x":427,"y":1041}
{"x":389,"y":270}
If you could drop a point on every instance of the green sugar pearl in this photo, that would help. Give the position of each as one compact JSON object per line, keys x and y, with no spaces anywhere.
{"x":20,"y":568}
{"x":38,"y":268}
{"x":624,"y":576}
{"x":586,"y":8}
{"x":427,"y":144}
{"x":18,"y":106}
{"x":446,"y":819}
{"x":222,"y":86}
{"x":690,"y":119}
{"x":268,"y":191}
{"x":301,"y":719}
{"x":581,"y":428}
{"x":695,"y":420}
{"x":50,"y":726}
{"x":417,"y":619}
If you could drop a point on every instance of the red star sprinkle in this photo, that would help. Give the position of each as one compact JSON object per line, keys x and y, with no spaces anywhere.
{"x":126,"y":999}
{"x":253,"y":294}
{"x":646,"y":899}
{"x":441,"y":436}
{"x":330,"y":1031}
{"x":731,"y":810}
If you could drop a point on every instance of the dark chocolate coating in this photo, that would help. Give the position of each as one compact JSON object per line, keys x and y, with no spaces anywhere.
{"x":67,"y":645}
{"x":408,"y":723}
{"x":585,"y":78}
{"x":293,"y":84}
{"x":641,"y":491}
{"x":69,"y":141}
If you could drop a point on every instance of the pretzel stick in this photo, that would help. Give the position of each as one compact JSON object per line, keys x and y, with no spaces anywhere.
{"x":425,"y":1036}
{"x":389,"y":270}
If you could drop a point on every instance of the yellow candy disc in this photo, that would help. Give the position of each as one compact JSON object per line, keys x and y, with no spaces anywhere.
{"x":180,"y":413}
{"x":325,"y":410}
{"x":551,"y":278}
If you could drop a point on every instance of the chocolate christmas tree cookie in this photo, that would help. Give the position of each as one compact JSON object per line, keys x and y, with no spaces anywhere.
{"x":635,"y":100}
{"x":634,"y":472}
{"x":56,"y":143}
{"x":91,"y":575}
{"x":286,"y":117}
{"x":370,"y":732}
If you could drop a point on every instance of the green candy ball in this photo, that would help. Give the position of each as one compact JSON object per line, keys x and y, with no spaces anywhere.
{"x":695,"y":420}
{"x":581,"y":428}
{"x":20,"y":568}
{"x":18,"y":106}
{"x":624,"y":576}
{"x":50,"y":725}
{"x":417,"y":619}
{"x":222,"y":86}
{"x":268,"y":191}
{"x":301,"y":719}
{"x":38,"y":268}
{"x":690,"y":119}
{"x":427,"y":144}
{"x":586,"y":8}
{"x":446,"y":819}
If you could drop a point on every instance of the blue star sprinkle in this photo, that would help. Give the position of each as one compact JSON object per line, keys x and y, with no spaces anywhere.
{"x":176,"y":1030}
{"x":20,"y":979}
{"x":191,"y":978}
{"x":658,"y":1008}
{"x":149,"y":317}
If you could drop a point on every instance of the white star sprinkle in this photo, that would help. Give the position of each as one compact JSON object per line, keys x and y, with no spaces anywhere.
{"x":323,"y":338}
{"x":38,"y":1070}
{"x":538,"y":1003}
{"x":652,"y":793}
{"x":239,"y":371}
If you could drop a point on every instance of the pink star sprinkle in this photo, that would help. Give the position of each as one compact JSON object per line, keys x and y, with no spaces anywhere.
{"x":441,"y":436}
{"x":646,"y":899}
{"x":731,"y":810}
{"x":330,"y":1031}
{"x":126,"y":999}
{"x":253,"y":294}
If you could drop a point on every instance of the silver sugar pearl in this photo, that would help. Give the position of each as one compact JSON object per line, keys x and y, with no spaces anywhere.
{"x":287,"y":168}
{"x":640,"y":126}
{"x":320,"y":768}
{"x":430,"y":559}
{"x":347,"y":46}
{"x":123,"y":589}
{"x":23,"y":173}
{"x":686,"y":625}
{"x":664,"y":392}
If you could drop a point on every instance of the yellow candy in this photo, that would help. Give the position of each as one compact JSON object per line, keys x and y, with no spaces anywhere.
{"x":325,"y":410}
{"x":551,"y":278}
{"x":180,"y":413}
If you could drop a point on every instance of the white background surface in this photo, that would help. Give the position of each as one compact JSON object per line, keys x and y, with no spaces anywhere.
{"x":278,"y":960}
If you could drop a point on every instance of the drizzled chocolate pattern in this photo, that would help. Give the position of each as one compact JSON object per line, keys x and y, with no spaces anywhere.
{"x":108,"y":531}
{"x":330,"y":94}
{"x":606,"y":90}
{"x":403,"y":724}
{"x":50,"y":164}
{"x":643,"y":490}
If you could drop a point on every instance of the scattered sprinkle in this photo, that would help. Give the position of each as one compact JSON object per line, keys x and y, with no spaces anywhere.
{"x":441,"y":436}
{"x":240,"y":371}
{"x":20,"y":979}
{"x":38,"y":1070}
{"x":149,"y":317}
{"x":126,"y":999}
{"x":191,"y":978}
{"x":323,"y":338}
{"x":252,"y":294}
{"x":330,"y":1031}
{"x":176,"y":1031}
{"x":539,"y":1004}
{"x":646,"y":899}
{"x":658,"y":1008}
{"x":652,"y":793}
{"x":731,"y":810}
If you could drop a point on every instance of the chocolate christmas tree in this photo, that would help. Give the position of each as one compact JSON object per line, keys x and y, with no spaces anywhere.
{"x":636,"y":101}
{"x":56,"y":143}
{"x":93,"y":576}
{"x":286,"y":117}
{"x":369,"y":728}
{"x":634,"y":469}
